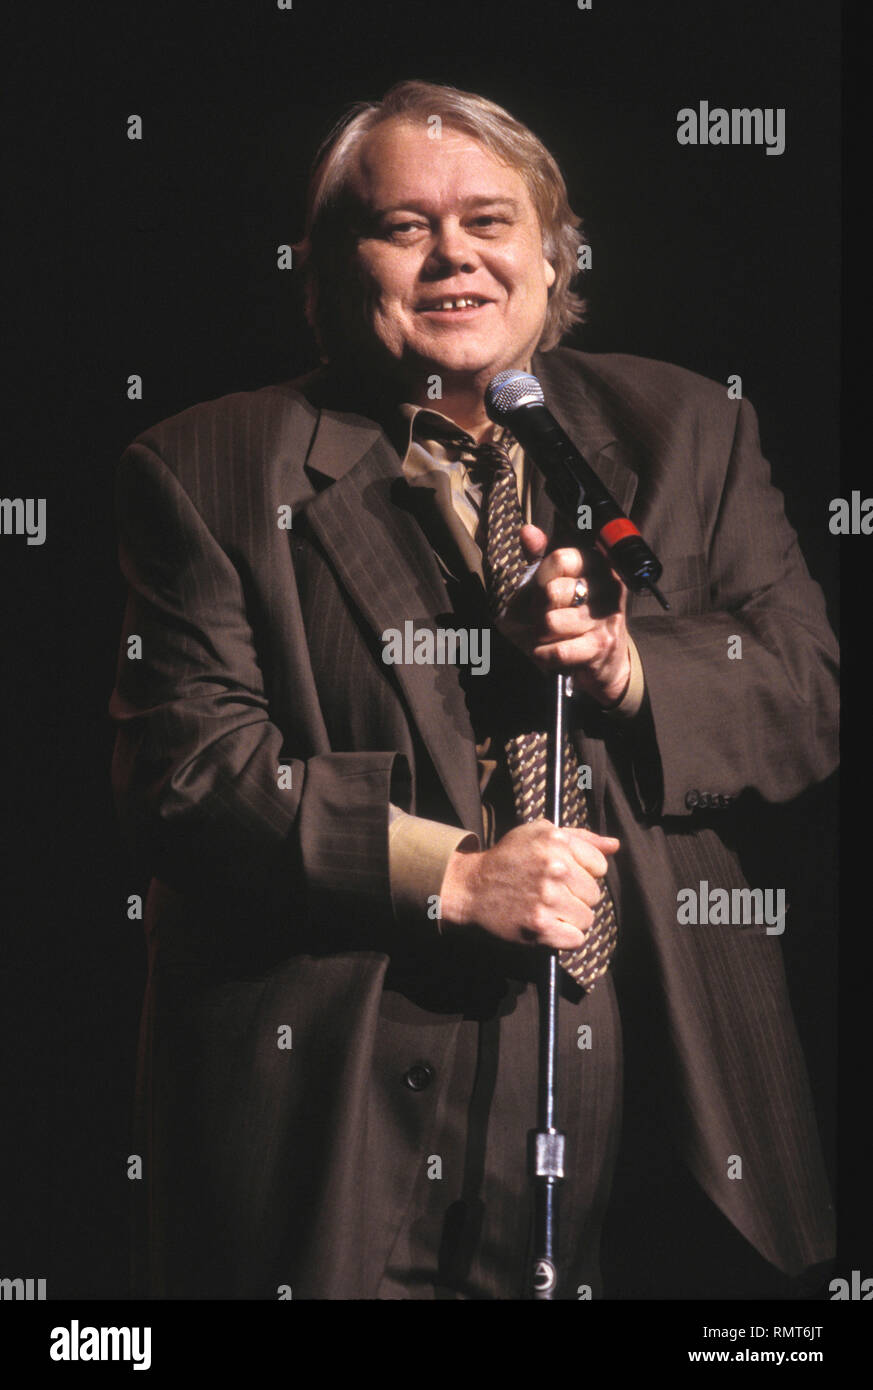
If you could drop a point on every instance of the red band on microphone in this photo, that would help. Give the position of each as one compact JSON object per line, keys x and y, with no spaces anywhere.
{"x":616,"y":530}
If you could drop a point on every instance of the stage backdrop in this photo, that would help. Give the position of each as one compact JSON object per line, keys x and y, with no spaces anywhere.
{"x":156,"y":164}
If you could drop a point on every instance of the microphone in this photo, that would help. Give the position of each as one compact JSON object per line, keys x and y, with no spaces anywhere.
{"x":515,"y":399}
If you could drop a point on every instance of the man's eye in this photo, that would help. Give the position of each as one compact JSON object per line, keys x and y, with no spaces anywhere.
{"x":488,"y":222}
{"x":402,"y":228}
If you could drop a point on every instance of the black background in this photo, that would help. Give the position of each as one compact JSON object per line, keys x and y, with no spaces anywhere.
{"x":158,"y":257}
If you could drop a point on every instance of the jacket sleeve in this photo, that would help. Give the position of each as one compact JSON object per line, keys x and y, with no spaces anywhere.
{"x":745,"y":696}
{"x":203,"y":781}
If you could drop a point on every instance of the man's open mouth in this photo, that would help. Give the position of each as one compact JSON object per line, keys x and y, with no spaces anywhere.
{"x":453,"y":303}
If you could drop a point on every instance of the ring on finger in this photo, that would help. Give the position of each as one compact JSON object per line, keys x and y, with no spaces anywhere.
{"x":580,"y":593}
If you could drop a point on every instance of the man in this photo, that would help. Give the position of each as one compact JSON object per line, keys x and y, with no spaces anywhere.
{"x":338,"y":1055}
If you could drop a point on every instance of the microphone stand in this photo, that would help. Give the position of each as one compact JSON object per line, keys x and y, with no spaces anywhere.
{"x":515,"y":400}
{"x":546,"y":1142}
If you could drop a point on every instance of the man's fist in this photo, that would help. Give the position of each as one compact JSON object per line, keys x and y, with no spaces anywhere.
{"x":587,"y":641}
{"x":538,"y":885}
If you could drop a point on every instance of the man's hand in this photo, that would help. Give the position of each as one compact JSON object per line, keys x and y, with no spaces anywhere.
{"x":537,"y":886}
{"x":588,"y":642}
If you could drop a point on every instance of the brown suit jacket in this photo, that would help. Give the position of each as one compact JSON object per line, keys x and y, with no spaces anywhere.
{"x":270,"y":906}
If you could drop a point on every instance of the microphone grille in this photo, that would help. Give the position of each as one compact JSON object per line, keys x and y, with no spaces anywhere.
{"x":509,"y":390}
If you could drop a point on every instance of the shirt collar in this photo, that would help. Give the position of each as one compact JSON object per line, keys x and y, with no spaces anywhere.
{"x":421,"y":420}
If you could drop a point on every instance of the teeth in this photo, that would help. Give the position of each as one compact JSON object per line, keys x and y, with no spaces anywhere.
{"x":461,"y":302}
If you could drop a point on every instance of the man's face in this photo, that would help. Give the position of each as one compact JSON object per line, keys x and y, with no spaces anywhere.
{"x":443,"y":220}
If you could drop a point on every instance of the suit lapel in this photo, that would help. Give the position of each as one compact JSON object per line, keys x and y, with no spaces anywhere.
{"x":456,"y":550}
{"x":581,"y":416}
{"x":365,"y":521}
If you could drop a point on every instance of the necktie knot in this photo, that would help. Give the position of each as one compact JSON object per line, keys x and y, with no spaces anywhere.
{"x":490,"y":458}
{"x":486,"y":462}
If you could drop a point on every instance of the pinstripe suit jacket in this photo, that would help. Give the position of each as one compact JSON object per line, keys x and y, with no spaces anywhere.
{"x":270,"y":905}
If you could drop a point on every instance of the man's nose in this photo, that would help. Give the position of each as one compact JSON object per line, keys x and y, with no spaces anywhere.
{"x":451,"y":248}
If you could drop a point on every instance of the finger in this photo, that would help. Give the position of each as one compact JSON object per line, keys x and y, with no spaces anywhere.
{"x":607,"y":844}
{"x":574,"y":924}
{"x":562,"y":563}
{"x":534,"y":542}
{"x":605,"y":597}
{"x":564,"y":925}
{"x":558,"y":936}
{"x":559,"y":624}
{"x":568,"y":653}
{"x":590,"y":851}
{"x":566,"y":834}
{"x":561,"y":593}
{"x":583,"y":892}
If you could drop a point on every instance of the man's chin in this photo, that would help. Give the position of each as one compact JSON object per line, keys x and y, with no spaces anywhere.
{"x":459,"y":368}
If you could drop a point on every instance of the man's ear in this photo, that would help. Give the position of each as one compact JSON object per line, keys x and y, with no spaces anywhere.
{"x":551,"y":274}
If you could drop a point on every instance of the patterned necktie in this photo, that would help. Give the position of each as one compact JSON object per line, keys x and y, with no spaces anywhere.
{"x":527,"y":754}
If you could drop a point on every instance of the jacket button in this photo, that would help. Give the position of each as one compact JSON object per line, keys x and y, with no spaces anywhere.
{"x":691,"y":799}
{"x":419,"y":1076}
